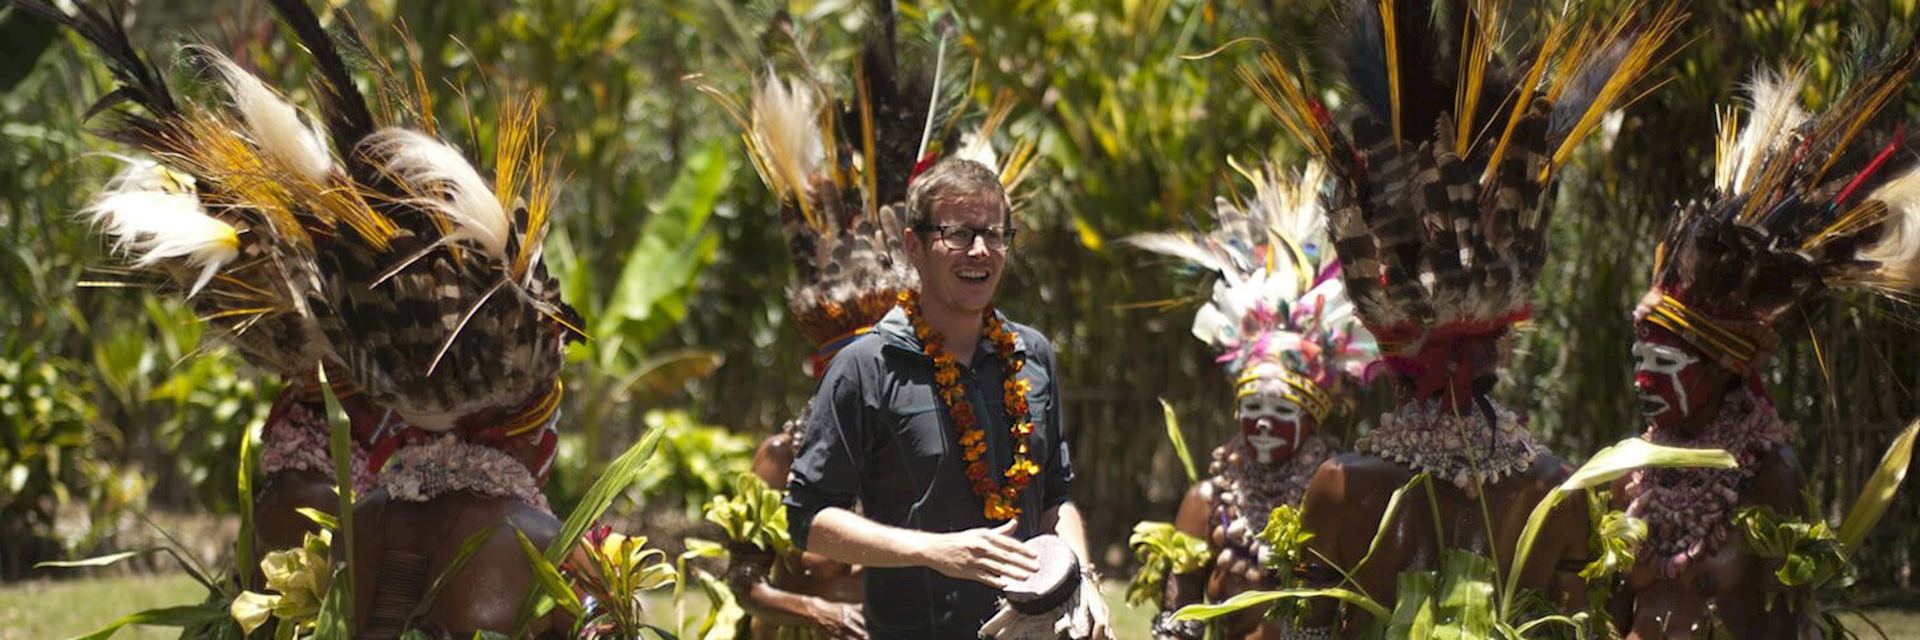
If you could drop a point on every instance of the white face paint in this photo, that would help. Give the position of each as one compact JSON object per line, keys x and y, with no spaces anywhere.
{"x":1664,"y":361}
{"x":1272,"y":425}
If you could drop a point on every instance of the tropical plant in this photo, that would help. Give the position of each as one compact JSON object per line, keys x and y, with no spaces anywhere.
{"x":613,"y":570}
{"x":1162,"y":551}
{"x":752,"y":515}
{"x":696,"y":461}
{"x":297,"y":582}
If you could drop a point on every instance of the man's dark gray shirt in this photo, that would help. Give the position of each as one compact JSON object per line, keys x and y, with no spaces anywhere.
{"x":878,"y":435}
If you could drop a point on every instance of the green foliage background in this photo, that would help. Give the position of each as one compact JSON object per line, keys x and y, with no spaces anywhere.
{"x":109,"y":403}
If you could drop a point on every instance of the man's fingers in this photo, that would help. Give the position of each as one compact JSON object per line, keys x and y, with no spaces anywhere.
{"x":1010,"y":574}
{"x":857,"y":625}
{"x":1007,"y":528}
{"x":1018,"y":557}
{"x":1010,"y":545}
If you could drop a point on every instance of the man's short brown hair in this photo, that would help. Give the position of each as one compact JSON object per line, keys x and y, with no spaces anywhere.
{"x":951,"y":180}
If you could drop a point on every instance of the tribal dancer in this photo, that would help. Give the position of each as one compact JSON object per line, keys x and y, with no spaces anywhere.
{"x":424,"y":281}
{"x":1800,"y":205}
{"x":1439,"y":215}
{"x":1281,"y":322}
{"x":196,"y":212}
{"x":843,"y":234}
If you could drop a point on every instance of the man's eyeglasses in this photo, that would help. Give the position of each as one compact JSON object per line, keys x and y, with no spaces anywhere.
{"x":960,"y":237}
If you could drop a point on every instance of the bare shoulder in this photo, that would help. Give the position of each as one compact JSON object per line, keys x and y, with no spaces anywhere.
{"x":774,"y":459}
{"x":1353,"y":479}
{"x":1196,"y":510}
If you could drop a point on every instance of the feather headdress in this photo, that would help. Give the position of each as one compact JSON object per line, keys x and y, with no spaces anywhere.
{"x":1437,"y":204}
{"x":1278,"y":297}
{"x":202,"y":206}
{"x":354,"y":241}
{"x":1801,"y":204}
{"x":839,"y":163}
{"x":441,"y":307}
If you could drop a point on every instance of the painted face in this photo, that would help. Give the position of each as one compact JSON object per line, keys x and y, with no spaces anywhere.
{"x":1274,"y":426}
{"x":960,"y":279}
{"x":1676,"y":384}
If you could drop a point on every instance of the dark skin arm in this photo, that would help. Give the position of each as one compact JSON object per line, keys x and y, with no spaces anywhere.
{"x":749,"y":575}
{"x":1194,"y":519}
{"x":774,"y":460}
{"x":1326,"y":509}
{"x":750,"y":571}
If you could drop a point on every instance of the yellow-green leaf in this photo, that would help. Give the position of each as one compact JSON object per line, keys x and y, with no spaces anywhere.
{"x":1179,"y":441}
{"x":1880,"y":489}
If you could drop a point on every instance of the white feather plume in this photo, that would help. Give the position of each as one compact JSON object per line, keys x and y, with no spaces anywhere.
{"x":1182,"y":247}
{"x":152,"y":217}
{"x":786,"y":130}
{"x":272,"y":122}
{"x":1776,"y":113}
{"x":976,"y":147}
{"x":1293,"y":203}
{"x":1898,"y":249}
{"x":441,"y":181}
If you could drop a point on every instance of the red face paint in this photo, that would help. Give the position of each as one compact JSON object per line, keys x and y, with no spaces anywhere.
{"x":1274,"y":427}
{"x":1676,"y":383}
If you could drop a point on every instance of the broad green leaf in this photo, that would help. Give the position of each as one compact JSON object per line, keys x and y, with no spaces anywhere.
{"x":1627,"y":455}
{"x":96,"y":561}
{"x":1179,"y":441}
{"x":1466,"y":596}
{"x":669,"y":255}
{"x":1413,"y":608}
{"x":664,"y":375}
{"x":181,"y":617}
{"x":549,"y":577}
{"x":1250,"y":599}
{"x":1879,"y":490}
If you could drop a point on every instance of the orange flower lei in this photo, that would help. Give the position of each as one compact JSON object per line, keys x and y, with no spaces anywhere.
{"x":1002,"y":501}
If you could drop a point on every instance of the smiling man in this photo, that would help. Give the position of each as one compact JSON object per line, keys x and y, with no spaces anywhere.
{"x":944,"y":424}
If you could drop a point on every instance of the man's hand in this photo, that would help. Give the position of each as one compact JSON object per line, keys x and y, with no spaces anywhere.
{"x":1096,"y":609}
{"x":987,"y":556}
{"x":839,"y":620}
